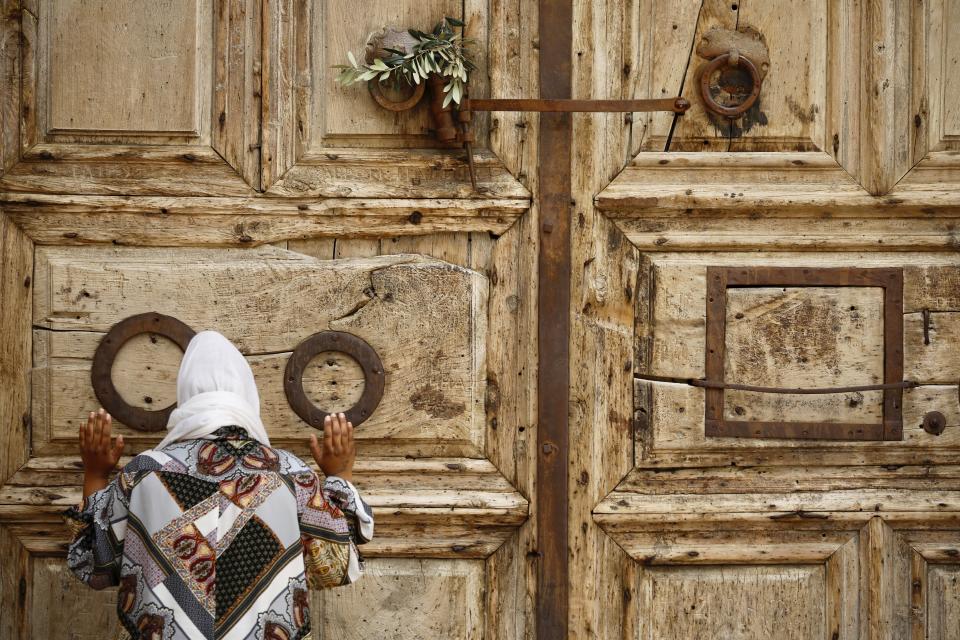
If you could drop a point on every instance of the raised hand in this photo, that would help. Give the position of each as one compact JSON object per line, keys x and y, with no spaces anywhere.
{"x":98,"y":451}
{"x":338,"y":452}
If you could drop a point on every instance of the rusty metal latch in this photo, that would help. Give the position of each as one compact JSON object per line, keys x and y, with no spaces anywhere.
{"x":720,"y":384}
{"x":678,"y":105}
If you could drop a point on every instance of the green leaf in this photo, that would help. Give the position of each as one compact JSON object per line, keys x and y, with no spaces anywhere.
{"x":353,"y":60}
{"x":454,"y":21}
{"x":447,"y":100}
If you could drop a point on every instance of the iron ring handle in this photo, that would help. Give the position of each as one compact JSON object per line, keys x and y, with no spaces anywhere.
{"x":106,"y":353}
{"x":342,"y":342}
{"x":733,"y":59}
{"x":377,"y":94}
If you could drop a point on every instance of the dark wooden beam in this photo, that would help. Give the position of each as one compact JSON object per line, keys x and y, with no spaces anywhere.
{"x":553,"y":323}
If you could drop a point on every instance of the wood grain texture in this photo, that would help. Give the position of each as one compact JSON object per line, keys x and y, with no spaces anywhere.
{"x":510,"y":263}
{"x":16,"y":294}
{"x":321,"y":138}
{"x":182,"y":96}
{"x":165,"y":221}
{"x":159,"y":88}
{"x":441,"y":508}
{"x":727,"y":576}
{"x":603,"y":284}
{"x":784,"y":602}
{"x":387,"y":173}
{"x":405,"y":599}
{"x":240,"y":290}
{"x":765,"y":184}
{"x":804,"y":337}
{"x":10,"y":76}
{"x":236,"y":99}
{"x":886,"y":98}
{"x":14,"y":595}
{"x":61,"y":602}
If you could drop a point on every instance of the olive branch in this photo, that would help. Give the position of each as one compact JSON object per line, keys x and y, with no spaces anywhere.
{"x":442,"y":51}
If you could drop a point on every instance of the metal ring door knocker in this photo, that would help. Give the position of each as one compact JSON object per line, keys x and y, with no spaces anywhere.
{"x":731,"y":59}
{"x":106,"y":353}
{"x":181,"y":334}
{"x":730,"y":82}
{"x":342,"y":342}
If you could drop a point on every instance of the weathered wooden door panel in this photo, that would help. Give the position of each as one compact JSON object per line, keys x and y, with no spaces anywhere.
{"x":426,"y":320}
{"x":443,"y":508}
{"x":116,"y":98}
{"x":844,"y":162}
{"x":803,"y":337}
{"x":136,"y":146}
{"x":326,"y":140}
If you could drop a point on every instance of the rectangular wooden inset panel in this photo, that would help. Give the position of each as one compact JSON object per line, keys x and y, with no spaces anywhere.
{"x":63,"y":607}
{"x":943,"y":602}
{"x":671,"y":335}
{"x":804,"y":337}
{"x":348,"y":115}
{"x":800,"y":94}
{"x":124,"y":66}
{"x":733,"y":603}
{"x":425,"y":318}
{"x":951,"y":70}
{"x":405,"y":599}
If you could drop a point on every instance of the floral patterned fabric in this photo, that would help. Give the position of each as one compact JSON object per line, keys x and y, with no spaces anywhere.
{"x":218,"y":538}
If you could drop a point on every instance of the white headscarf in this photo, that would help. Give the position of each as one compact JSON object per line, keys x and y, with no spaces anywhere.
{"x":215,"y":388}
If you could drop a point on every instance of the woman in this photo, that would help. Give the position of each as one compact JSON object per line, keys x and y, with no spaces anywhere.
{"x":214,"y":533}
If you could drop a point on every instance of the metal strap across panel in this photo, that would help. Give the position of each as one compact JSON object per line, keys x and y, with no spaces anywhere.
{"x":553,"y":321}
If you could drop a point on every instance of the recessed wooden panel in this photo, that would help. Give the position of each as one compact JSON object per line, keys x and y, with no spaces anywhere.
{"x":425,"y":318}
{"x":405,"y":599}
{"x":943,"y":67}
{"x":132,"y":98}
{"x":125,"y":67}
{"x":798,"y":99}
{"x":769,"y":348}
{"x":734,"y":603}
{"x":348,"y":115}
{"x":943,"y":603}
{"x":804,"y":337}
{"x":324,"y":139}
{"x":63,"y":607}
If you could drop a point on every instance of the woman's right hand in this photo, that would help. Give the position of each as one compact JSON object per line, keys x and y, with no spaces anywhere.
{"x":338,"y":452}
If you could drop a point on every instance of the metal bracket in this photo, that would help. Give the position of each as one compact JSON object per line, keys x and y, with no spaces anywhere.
{"x":342,"y":342}
{"x":451,"y":123}
{"x":678,"y":105}
{"x":720,"y":278}
{"x":106,"y":353}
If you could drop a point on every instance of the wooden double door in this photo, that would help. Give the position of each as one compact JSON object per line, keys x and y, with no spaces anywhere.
{"x":196,"y":159}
